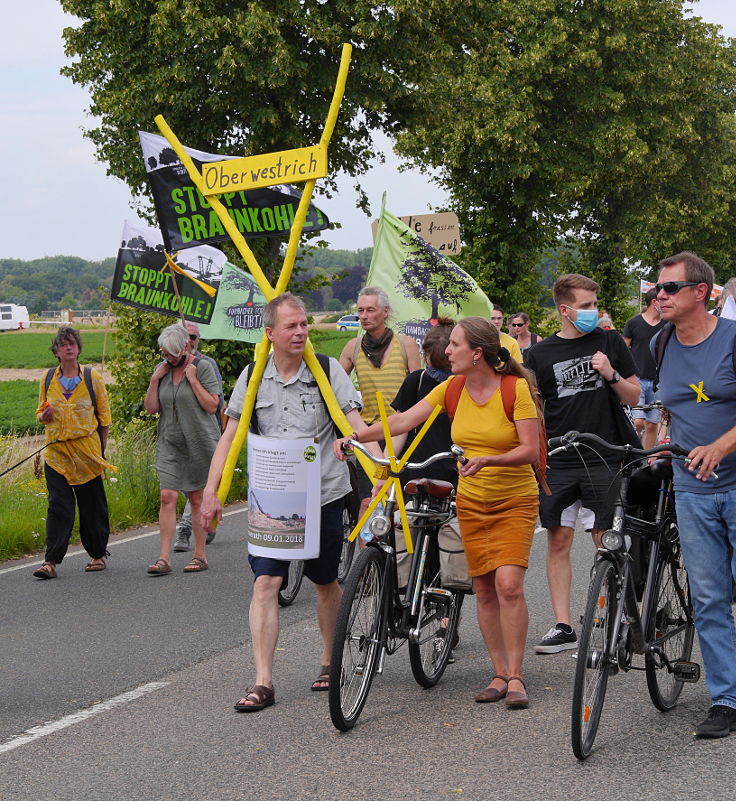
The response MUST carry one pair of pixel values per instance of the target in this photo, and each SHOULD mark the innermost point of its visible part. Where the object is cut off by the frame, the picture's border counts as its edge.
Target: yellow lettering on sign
(268, 169)
(698, 390)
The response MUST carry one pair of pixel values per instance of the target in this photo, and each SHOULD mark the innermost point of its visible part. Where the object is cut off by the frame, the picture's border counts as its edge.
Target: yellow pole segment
(210, 290)
(420, 435)
(261, 355)
(342, 77)
(219, 209)
(371, 508)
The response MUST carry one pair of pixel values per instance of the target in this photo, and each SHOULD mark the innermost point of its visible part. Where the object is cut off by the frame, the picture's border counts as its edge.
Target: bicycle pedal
(686, 671)
(438, 593)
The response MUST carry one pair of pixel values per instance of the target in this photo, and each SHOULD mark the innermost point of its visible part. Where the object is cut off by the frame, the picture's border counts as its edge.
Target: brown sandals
(159, 568)
(260, 696)
(95, 565)
(491, 693)
(197, 565)
(516, 699)
(46, 571)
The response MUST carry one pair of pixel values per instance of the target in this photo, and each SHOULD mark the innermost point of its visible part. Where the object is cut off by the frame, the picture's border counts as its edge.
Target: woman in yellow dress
(497, 495)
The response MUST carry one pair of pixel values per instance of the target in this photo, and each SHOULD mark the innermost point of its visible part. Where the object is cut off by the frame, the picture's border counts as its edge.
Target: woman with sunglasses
(519, 330)
(184, 392)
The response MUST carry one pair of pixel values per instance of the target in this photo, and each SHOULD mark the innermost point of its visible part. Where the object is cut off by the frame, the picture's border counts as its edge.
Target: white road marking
(53, 726)
(82, 552)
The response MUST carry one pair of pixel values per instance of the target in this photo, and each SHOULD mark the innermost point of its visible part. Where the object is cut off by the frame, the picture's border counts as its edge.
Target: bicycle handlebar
(572, 438)
(456, 452)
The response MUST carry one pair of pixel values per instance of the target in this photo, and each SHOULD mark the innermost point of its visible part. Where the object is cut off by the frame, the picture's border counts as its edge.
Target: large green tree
(607, 121)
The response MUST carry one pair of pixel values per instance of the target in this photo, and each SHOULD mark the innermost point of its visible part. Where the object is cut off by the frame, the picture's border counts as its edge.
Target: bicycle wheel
(430, 651)
(349, 519)
(671, 629)
(359, 634)
(593, 668)
(296, 574)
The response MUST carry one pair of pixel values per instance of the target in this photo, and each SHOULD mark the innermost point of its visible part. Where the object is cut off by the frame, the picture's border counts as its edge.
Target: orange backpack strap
(508, 395)
(452, 394)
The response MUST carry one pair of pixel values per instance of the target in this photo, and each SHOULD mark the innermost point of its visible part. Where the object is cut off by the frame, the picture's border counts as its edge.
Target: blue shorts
(646, 396)
(323, 569)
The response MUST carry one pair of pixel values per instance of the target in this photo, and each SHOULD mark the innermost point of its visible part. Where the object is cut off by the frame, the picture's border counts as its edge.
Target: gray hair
(729, 288)
(173, 339)
(190, 324)
(383, 300)
(270, 310)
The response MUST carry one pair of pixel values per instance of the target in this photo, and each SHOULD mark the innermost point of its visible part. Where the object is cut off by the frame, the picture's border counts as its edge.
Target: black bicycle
(377, 616)
(635, 606)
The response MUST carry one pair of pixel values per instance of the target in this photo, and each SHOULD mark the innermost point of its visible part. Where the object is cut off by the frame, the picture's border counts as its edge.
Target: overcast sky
(57, 198)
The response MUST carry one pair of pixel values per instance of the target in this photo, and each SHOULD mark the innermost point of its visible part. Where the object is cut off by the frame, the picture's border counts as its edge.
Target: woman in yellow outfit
(497, 495)
(76, 434)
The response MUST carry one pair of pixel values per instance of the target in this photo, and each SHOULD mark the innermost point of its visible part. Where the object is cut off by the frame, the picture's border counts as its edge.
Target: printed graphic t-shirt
(577, 398)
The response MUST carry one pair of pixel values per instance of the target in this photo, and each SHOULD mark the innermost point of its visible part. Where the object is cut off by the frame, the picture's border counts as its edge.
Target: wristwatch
(615, 378)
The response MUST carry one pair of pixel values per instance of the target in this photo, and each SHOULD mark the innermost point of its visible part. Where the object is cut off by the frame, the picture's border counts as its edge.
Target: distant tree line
(56, 282)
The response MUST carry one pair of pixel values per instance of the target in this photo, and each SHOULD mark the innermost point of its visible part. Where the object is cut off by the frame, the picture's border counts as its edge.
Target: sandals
(198, 565)
(261, 696)
(46, 571)
(159, 568)
(517, 699)
(322, 683)
(95, 565)
(491, 693)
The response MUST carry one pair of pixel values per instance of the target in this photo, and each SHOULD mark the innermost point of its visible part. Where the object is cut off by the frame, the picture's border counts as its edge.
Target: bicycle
(614, 626)
(349, 519)
(377, 616)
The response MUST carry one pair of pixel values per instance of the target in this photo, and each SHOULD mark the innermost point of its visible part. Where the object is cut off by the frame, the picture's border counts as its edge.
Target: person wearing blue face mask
(584, 374)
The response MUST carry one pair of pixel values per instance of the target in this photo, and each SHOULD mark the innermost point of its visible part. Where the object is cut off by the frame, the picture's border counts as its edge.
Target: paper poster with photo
(284, 503)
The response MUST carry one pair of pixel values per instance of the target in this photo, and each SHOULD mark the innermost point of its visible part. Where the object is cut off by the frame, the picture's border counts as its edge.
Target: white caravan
(13, 317)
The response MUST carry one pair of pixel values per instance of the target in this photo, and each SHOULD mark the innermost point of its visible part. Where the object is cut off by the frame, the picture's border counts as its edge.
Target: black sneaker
(560, 638)
(721, 721)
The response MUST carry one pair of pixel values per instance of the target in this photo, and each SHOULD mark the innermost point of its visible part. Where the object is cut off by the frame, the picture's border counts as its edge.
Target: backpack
(324, 362)
(661, 343)
(508, 398)
(87, 374)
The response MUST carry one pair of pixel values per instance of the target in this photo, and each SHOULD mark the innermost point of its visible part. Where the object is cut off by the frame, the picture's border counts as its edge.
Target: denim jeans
(707, 526)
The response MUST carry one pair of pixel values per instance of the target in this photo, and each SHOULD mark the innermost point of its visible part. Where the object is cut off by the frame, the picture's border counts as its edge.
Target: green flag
(422, 284)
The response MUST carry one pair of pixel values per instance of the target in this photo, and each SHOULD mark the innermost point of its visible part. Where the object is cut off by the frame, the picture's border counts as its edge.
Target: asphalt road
(135, 678)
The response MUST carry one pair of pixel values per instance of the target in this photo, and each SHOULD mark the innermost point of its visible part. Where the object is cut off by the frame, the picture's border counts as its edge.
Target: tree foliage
(610, 122)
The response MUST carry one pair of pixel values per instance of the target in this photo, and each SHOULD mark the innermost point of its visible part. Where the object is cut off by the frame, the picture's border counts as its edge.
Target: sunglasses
(673, 287)
(517, 325)
(194, 337)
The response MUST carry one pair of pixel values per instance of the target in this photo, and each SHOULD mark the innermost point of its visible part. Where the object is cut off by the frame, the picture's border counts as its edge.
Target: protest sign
(283, 497)
(422, 284)
(441, 230)
(266, 169)
(223, 300)
(185, 215)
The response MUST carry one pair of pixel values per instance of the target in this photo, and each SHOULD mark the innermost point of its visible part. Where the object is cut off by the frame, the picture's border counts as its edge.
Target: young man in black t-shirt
(584, 373)
(638, 333)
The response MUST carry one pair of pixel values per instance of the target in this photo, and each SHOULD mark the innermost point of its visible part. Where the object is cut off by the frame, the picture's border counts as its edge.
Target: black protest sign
(143, 279)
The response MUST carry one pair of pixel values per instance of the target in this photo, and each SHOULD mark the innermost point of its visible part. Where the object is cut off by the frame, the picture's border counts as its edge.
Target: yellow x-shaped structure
(395, 468)
(698, 390)
(264, 347)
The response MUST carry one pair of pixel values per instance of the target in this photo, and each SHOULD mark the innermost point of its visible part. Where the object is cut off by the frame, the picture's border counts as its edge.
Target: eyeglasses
(517, 325)
(194, 337)
(673, 287)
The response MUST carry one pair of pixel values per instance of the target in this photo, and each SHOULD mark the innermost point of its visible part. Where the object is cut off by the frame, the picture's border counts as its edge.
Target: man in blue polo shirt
(697, 384)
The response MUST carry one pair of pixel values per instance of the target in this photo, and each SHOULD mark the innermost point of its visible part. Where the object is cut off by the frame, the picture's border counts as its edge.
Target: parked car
(348, 322)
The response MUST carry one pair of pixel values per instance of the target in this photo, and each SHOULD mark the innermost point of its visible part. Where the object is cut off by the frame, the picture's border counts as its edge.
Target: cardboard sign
(254, 172)
(441, 231)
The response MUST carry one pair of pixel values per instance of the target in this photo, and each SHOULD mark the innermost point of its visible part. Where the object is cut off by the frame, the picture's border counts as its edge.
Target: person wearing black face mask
(184, 392)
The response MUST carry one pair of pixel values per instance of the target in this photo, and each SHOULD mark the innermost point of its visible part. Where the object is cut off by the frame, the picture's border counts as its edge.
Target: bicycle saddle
(433, 487)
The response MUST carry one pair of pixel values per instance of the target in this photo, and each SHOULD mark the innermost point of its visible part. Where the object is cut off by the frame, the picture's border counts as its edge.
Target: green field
(17, 411)
(330, 343)
(25, 349)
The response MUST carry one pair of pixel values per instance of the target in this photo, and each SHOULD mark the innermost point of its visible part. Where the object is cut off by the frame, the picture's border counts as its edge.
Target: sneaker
(210, 537)
(721, 721)
(560, 638)
(181, 543)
